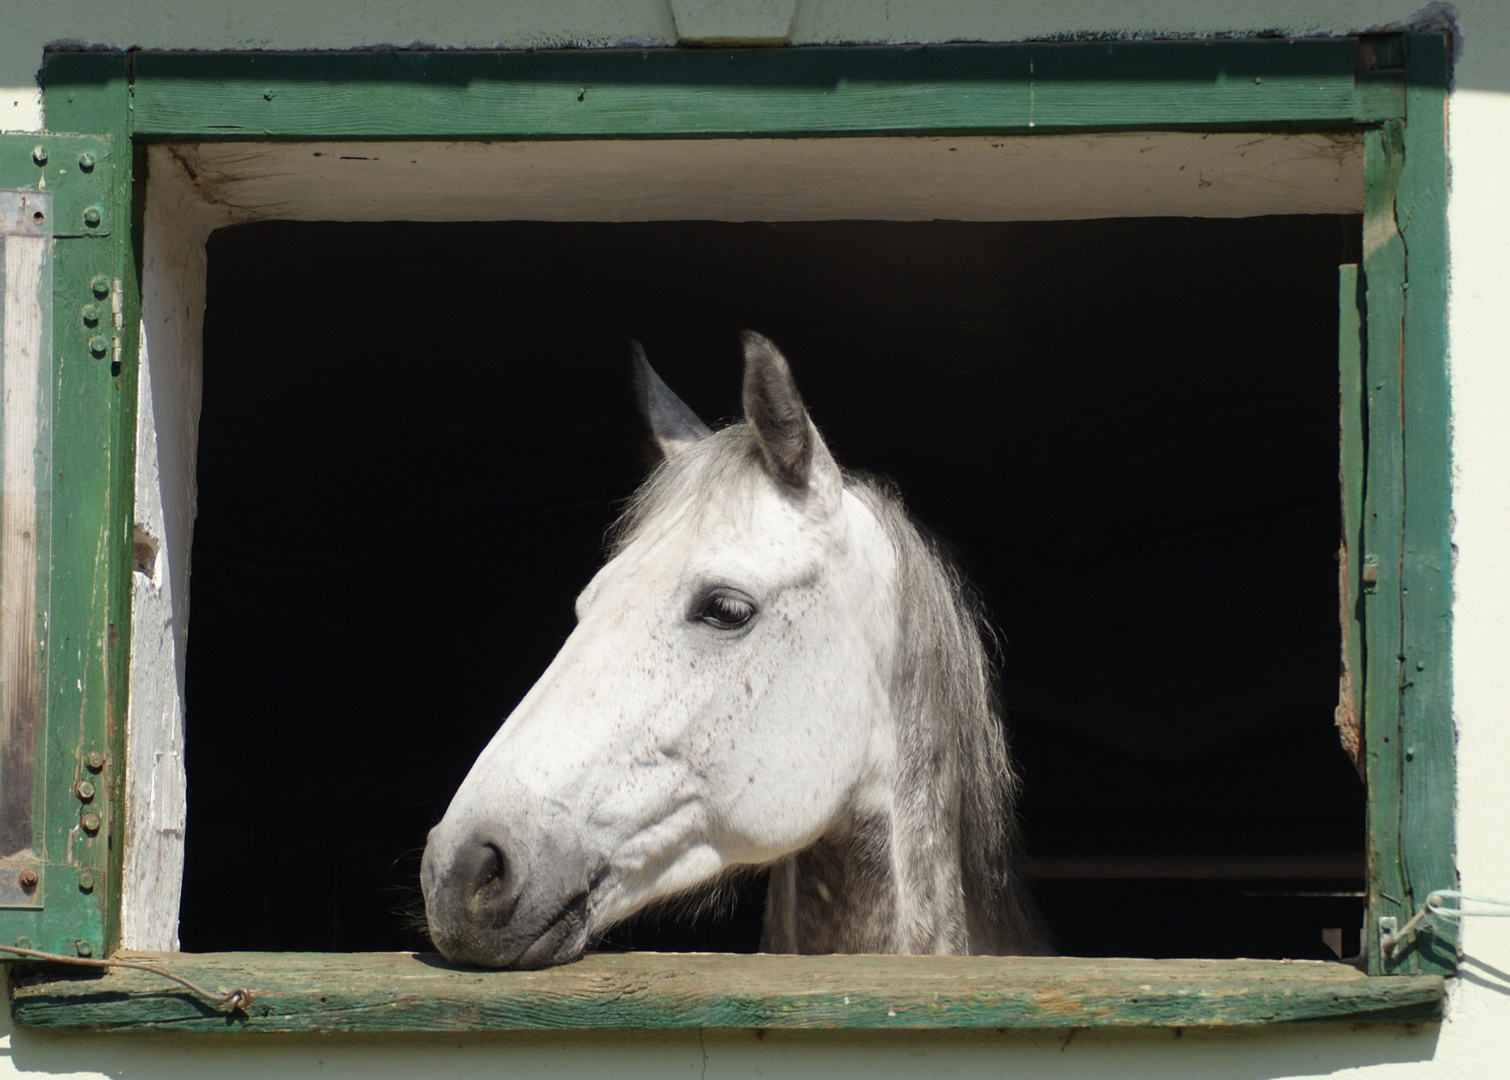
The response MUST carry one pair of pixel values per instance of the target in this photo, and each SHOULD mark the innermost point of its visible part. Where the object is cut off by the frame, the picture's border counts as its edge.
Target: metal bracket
(20, 883)
(77, 170)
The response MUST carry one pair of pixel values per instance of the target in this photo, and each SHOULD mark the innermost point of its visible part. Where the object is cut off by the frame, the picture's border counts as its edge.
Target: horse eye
(725, 610)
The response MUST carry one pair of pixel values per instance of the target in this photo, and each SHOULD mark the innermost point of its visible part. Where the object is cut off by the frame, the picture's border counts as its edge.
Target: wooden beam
(643, 991)
(1309, 83)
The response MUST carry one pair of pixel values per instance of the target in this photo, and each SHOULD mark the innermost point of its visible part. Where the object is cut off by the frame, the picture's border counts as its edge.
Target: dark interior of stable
(414, 435)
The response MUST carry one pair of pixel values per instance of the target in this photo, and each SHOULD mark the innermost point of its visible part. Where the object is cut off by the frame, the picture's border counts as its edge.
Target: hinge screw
(39, 154)
(28, 878)
(91, 313)
(92, 216)
(86, 881)
(100, 286)
(86, 161)
(94, 760)
(91, 822)
(84, 790)
(98, 345)
(83, 948)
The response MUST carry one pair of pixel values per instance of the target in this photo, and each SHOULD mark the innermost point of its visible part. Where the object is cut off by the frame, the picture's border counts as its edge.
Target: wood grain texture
(94, 427)
(1407, 519)
(405, 992)
(25, 372)
(895, 178)
(1427, 742)
(819, 91)
(1383, 513)
(70, 703)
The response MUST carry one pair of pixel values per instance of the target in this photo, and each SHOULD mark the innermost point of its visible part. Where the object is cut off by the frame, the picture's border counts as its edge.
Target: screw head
(98, 346)
(84, 790)
(83, 948)
(91, 314)
(94, 760)
(91, 822)
(28, 878)
(86, 161)
(92, 216)
(39, 154)
(86, 881)
(22, 942)
(100, 286)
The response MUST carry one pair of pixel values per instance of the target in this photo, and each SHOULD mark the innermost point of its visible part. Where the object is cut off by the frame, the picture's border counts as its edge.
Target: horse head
(728, 699)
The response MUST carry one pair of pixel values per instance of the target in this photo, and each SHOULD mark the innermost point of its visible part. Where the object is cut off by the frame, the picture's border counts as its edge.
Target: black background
(414, 435)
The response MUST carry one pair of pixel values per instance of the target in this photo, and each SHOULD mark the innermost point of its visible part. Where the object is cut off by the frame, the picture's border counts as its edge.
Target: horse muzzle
(494, 902)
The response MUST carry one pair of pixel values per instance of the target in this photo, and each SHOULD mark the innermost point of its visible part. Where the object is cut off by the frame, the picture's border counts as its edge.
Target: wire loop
(231, 1001)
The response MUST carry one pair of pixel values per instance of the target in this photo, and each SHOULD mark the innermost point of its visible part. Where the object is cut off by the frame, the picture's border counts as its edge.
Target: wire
(1392, 943)
(1434, 903)
(232, 1000)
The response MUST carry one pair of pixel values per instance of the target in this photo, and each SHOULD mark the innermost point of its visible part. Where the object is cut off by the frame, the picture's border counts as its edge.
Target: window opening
(1127, 429)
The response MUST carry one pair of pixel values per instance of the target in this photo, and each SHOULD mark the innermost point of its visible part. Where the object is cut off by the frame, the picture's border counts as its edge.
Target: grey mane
(948, 687)
(953, 742)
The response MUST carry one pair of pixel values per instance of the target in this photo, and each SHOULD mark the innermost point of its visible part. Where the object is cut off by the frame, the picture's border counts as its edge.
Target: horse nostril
(490, 890)
(492, 869)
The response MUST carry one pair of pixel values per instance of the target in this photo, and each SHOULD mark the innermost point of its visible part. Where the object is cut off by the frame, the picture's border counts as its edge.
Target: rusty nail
(83, 948)
(39, 154)
(84, 790)
(28, 878)
(86, 881)
(91, 822)
(100, 286)
(95, 760)
(92, 216)
(86, 161)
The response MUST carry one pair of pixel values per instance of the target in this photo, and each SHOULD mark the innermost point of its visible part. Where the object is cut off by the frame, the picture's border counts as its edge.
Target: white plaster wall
(1475, 1039)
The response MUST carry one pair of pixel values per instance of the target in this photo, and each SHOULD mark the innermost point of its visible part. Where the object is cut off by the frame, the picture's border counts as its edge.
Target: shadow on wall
(1475, 971)
(1081, 1054)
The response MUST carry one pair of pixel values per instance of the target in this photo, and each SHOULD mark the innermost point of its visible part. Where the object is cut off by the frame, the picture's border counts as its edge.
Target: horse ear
(674, 425)
(794, 452)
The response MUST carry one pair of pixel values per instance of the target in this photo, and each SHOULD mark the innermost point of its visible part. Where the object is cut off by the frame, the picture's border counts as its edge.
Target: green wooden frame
(1391, 88)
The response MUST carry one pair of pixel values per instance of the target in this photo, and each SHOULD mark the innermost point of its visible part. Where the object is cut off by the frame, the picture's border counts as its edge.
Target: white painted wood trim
(177, 224)
(25, 376)
(1026, 178)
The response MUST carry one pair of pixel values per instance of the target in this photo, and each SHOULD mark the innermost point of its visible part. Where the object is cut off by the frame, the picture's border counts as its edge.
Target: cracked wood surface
(628, 991)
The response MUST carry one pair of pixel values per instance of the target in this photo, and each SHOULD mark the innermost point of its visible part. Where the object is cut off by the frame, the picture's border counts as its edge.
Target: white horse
(774, 668)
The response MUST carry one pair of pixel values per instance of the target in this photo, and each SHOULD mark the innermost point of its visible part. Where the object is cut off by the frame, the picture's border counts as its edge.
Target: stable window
(1104, 363)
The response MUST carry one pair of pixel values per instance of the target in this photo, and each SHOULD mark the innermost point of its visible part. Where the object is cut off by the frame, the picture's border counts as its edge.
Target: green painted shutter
(1405, 525)
(66, 363)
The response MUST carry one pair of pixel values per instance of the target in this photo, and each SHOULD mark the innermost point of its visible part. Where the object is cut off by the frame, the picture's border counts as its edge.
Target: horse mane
(947, 685)
(951, 726)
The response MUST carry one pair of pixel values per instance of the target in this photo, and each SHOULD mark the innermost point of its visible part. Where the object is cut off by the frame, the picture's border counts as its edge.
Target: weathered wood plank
(404, 992)
(1349, 715)
(1383, 514)
(94, 464)
(1427, 742)
(822, 91)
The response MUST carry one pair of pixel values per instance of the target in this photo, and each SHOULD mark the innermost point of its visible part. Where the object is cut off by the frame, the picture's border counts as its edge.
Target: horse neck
(875, 886)
(886, 878)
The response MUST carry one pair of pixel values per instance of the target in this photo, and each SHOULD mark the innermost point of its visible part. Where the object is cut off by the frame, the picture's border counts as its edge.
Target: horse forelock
(723, 466)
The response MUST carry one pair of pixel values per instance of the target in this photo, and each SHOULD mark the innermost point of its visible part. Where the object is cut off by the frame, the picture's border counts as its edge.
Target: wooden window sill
(329, 992)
